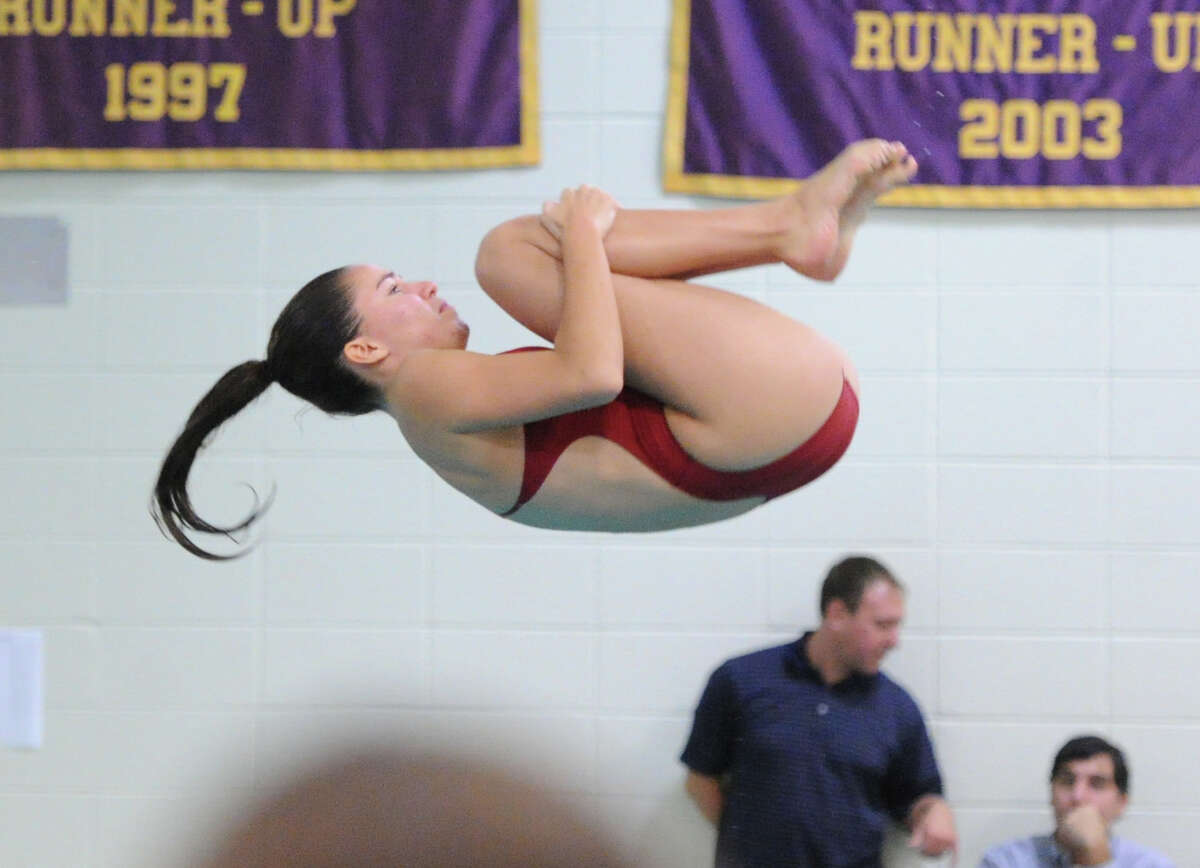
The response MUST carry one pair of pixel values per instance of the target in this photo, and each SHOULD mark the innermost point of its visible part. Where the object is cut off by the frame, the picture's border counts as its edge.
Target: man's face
(1087, 782)
(867, 634)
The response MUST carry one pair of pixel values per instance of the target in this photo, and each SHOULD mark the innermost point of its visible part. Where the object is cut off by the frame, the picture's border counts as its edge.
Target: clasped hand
(582, 202)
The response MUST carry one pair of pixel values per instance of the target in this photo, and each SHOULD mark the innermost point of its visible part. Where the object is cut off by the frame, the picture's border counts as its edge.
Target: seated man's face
(1087, 782)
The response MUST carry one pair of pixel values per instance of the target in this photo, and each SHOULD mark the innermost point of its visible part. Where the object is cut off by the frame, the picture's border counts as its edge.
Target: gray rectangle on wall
(33, 261)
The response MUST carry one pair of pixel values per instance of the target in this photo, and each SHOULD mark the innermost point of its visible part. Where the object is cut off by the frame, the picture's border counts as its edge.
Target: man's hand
(932, 827)
(1084, 834)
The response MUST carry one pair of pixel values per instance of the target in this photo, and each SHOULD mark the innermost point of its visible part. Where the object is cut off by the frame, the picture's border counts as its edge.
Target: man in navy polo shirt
(800, 753)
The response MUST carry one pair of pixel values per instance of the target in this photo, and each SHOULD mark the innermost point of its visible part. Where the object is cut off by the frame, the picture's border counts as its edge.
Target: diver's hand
(580, 203)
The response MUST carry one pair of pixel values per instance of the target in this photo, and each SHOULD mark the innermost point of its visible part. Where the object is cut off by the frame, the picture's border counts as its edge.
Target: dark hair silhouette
(1087, 746)
(304, 355)
(848, 579)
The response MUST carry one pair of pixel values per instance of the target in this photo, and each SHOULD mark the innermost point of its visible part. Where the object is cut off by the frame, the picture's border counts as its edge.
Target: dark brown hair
(848, 579)
(304, 355)
(1087, 746)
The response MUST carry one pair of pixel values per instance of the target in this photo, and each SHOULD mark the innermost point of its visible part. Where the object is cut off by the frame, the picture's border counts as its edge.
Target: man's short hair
(848, 579)
(1087, 746)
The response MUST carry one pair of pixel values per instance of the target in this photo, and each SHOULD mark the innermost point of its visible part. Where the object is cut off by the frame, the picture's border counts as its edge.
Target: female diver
(661, 404)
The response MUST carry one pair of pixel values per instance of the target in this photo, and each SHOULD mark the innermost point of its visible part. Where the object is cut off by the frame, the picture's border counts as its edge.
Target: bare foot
(826, 211)
(899, 171)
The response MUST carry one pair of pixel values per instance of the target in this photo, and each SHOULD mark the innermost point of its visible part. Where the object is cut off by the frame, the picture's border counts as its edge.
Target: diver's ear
(364, 351)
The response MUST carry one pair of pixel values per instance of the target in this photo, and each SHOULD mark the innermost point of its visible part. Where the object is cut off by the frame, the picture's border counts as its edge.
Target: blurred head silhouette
(381, 808)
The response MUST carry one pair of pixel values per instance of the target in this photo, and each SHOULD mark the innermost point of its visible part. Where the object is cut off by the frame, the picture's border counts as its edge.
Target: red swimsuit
(637, 423)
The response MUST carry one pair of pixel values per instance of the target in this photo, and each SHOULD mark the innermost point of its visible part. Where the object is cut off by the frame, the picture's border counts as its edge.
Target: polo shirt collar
(1049, 853)
(1052, 853)
(800, 666)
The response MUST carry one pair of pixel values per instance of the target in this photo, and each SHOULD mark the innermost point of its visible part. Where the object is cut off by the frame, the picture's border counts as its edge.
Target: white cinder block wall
(1027, 461)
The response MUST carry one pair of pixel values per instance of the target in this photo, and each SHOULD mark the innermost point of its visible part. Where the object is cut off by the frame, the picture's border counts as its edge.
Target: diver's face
(403, 315)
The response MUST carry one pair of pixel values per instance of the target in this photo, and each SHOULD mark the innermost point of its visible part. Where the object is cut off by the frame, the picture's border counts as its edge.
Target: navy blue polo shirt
(814, 770)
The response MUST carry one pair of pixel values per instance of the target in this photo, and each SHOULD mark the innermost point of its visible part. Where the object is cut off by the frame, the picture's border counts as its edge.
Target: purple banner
(1027, 103)
(297, 84)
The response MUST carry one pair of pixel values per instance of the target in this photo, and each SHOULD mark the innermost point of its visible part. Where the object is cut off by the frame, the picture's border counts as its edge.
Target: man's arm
(1084, 834)
(706, 793)
(932, 825)
(709, 746)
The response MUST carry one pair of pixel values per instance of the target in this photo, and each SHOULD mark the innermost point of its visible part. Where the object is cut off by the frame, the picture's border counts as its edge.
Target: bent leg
(812, 229)
(743, 383)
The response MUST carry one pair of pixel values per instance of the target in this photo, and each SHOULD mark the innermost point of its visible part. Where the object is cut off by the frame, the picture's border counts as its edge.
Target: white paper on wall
(21, 717)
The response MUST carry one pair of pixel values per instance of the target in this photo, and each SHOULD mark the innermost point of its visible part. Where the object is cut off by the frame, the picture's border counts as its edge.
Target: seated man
(1089, 789)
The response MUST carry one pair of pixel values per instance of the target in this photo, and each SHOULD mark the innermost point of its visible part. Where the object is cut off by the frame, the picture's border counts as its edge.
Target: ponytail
(304, 356)
(170, 505)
